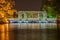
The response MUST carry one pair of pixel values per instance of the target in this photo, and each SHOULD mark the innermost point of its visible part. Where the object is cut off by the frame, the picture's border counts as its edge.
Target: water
(28, 31)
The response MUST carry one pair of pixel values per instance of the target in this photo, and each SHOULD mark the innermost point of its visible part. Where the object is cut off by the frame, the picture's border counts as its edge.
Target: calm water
(28, 31)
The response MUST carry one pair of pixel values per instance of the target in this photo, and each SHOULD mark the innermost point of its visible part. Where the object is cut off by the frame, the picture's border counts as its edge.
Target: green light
(51, 16)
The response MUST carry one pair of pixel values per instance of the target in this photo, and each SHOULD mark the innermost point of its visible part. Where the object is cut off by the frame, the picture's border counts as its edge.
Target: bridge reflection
(9, 27)
(34, 31)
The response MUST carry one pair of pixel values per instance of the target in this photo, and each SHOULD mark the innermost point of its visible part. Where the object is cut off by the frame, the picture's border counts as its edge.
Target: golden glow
(2, 28)
(10, 12)
(2, 36)
(2, 1)
(6, 8)
(7, 28)
(5, 36)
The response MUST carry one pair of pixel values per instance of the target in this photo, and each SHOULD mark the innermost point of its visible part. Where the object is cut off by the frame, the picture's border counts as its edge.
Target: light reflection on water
(4, 36)
(36, 31)
(33, 25)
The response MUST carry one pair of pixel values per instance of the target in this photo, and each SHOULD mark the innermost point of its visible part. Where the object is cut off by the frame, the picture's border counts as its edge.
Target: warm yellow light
(2, 28)
(2, 1)
(7, 28)
(2, 36)
(6, 9)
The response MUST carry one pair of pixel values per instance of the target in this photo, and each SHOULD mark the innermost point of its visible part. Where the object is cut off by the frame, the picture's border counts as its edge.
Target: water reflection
(4, 36)
(33, 25)
(28, 31)
(4, 28)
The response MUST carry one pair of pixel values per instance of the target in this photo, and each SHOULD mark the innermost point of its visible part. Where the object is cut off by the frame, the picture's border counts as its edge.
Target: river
(28, 31)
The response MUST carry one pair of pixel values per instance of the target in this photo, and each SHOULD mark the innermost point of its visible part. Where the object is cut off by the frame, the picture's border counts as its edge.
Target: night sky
(28, 4)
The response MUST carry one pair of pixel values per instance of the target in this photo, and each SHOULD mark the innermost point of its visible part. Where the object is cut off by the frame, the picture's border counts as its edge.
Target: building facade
(32, 15)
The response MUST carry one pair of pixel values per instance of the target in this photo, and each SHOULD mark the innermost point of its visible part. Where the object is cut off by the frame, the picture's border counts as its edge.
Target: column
(38, 16)
(25, 16)
(44, 15)
(19, 16)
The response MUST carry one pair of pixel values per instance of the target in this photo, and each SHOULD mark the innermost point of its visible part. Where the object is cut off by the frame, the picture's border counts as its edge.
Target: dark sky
(28, 4)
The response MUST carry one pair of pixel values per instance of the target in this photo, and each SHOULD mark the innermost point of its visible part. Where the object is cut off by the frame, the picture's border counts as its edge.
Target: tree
(6, 8)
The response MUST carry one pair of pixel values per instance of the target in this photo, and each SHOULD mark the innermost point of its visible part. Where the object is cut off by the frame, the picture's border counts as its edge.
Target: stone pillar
(25, 16)
(19, 16)
(38, 16)
(44, 13)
